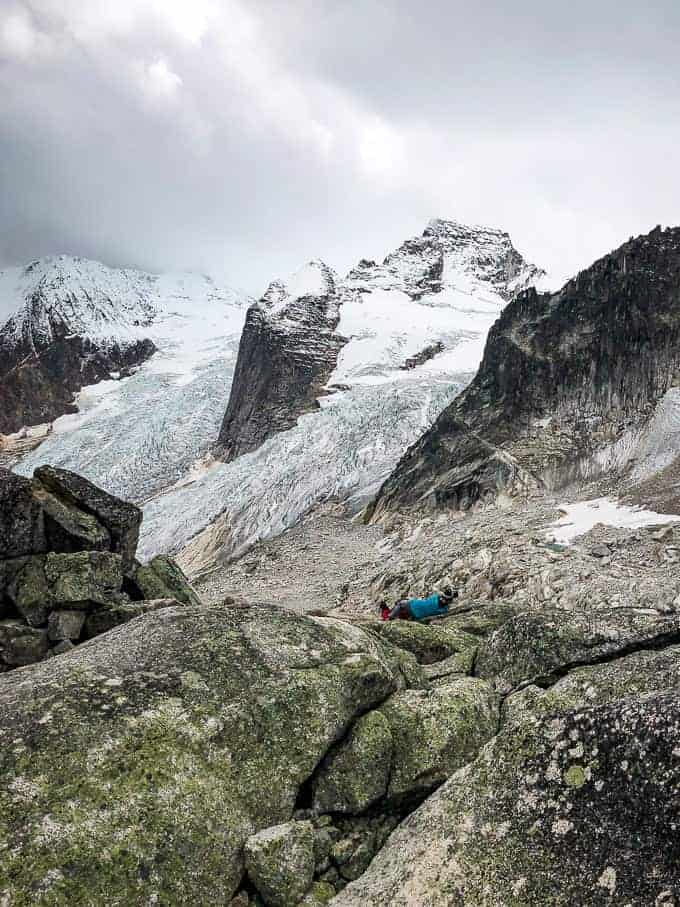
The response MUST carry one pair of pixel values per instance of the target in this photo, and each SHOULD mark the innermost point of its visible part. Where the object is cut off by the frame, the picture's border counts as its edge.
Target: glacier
(149, 437)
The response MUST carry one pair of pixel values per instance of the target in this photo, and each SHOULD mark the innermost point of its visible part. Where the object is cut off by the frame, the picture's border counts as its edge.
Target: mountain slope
(74, 323)
(567, 388)
(139, 435)
(415, 328)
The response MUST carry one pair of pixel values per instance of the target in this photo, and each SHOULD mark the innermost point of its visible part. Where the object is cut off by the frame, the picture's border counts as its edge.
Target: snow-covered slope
(141, 434)
(438, 293)
(88, 298)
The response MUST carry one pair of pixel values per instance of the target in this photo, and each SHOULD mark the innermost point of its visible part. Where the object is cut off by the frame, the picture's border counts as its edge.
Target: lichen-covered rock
(318, 895)
(63, 625)
(642, 672)
(355, 775)
(428, 642)
(544, 645)
(40, 584)
(22, 526)
(163, 578)
(435, 732)
(134, 769)
(484, 619)
(573, 809)
(27, 588)
(84, 579)
(67, 527)
(460, 663)
(280, 862)
(353, 854)
(21, 644)
(115, 613)
(120, 518)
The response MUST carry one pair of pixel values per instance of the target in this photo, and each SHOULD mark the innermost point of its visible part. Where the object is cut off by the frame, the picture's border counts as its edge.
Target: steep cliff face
(76, 323)
(567, 388)
(41, 386)
(288, 350)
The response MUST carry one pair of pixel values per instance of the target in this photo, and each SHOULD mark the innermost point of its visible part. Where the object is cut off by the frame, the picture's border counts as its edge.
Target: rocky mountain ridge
(557, 398)
(77, 323)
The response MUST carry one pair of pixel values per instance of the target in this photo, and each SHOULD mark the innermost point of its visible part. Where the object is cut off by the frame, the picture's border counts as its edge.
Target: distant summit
(316, 330)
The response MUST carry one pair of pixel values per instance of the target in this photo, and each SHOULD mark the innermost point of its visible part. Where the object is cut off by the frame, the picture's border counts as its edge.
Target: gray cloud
(244, 136)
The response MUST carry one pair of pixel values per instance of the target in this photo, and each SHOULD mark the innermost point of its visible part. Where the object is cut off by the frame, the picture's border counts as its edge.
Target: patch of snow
(314, 279)
(581, 517)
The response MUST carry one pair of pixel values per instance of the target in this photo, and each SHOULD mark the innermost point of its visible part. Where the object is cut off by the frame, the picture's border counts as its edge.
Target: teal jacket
(427, 607)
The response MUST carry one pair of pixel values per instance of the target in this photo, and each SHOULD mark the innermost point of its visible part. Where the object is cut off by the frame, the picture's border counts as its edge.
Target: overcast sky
(243, 137)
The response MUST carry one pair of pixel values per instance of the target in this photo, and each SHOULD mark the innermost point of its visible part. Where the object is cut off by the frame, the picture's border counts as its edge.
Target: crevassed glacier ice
(346, 448)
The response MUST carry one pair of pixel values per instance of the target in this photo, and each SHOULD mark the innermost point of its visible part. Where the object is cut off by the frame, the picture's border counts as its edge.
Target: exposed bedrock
(39, 377)
(571, 801)
(214, 749)
(567, 383)
(288, 350)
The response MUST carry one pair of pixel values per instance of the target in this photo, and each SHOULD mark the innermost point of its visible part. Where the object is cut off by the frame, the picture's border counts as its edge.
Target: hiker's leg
(401, 611)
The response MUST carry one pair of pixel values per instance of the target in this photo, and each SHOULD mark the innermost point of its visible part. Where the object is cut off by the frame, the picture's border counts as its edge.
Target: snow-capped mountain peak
(70, 295)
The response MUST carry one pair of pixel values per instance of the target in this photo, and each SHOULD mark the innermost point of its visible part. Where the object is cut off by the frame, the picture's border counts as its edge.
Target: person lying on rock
(436, 605)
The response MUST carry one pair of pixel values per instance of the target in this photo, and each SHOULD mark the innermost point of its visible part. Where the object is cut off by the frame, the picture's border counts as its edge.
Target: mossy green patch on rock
(134, 770)
(429, 643)
(540, 646)
(437, 731)
(163, 578)
(355, 774)
(280, 862)
(483, 619)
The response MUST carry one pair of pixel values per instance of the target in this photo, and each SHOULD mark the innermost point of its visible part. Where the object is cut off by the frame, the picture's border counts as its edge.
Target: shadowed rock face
(67, 566)
(568, 381)
(287, 352)
(40, 372)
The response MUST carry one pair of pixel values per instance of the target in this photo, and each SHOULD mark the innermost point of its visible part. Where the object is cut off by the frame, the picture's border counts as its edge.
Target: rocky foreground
(522, 751)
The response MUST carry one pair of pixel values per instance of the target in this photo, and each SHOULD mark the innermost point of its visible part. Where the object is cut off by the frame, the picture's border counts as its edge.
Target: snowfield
(139, 435)
(581, 517)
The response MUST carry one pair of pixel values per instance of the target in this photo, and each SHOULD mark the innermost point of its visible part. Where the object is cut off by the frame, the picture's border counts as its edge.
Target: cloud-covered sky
(243, 137)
